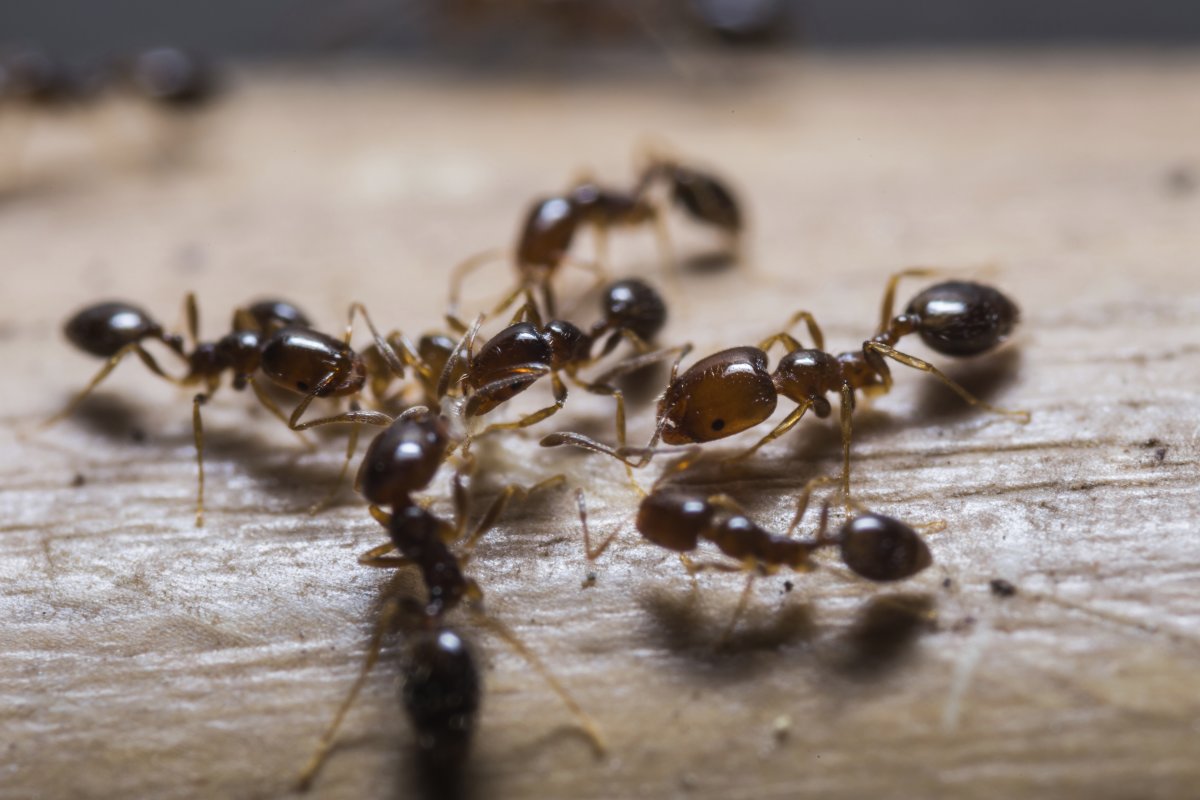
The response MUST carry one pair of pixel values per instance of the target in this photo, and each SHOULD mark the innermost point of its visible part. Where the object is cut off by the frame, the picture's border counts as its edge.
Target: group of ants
(274, 349)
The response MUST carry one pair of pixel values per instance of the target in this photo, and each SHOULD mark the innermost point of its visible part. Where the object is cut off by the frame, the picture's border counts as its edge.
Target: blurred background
(508, 31)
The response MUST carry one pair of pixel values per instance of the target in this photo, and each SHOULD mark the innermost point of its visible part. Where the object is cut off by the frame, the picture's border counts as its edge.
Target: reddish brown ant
(732, 390)
(271, 337)
(401, 460)
(702, 195)
(876, 547)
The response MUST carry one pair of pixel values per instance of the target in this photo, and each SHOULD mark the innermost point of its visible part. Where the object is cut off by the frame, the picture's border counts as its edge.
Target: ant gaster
(401, 460)
(732, 390)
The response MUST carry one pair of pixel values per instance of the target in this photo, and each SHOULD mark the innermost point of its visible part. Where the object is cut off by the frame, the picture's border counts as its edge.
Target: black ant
(732, 390)
(401, 460)
(171, 77)
(874, 546)
(270, 336)
(526, 350)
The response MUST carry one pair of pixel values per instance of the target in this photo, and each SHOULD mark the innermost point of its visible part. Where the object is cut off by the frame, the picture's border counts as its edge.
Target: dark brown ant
(732, 390)
(526, 350)
(269, 336)
(401, 460)
(876, 547)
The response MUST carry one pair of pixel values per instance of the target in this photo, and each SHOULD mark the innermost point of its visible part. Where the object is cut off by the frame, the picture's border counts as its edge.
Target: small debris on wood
(1002, 588)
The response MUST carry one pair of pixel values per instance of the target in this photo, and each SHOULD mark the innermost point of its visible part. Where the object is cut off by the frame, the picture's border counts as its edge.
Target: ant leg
(109, 366)
(407, 350)
(198, 438)
(738, 610)
(585, 721)
(467, 344)
(814, 331)
(488, 521)
(889, 293)
(386, 616)
(925, 366)
(353, 415)
(465, 268)
(378, 557)
(270, 405)
(192, 314)
(592, 554)
(783, 427)
(351, 446)
(802, 501)
(522, 290)
(618, 396)
(560, 399)
(847, 413)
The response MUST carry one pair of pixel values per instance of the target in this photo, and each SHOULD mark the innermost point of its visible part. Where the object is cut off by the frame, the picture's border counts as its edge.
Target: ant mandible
(270, 336)
(732, 390)
(401, 460)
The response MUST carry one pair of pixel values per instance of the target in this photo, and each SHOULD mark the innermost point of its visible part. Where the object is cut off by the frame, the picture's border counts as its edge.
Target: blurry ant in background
(34, 85)
(545, 237)
(876, 547)
(442, 684)
(271, 336)
(732, 390)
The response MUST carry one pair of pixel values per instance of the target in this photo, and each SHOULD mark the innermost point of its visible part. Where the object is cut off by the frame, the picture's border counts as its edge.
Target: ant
(732, 390)
(874, 546)
(401, 460)
(526, 350)
(548, 230)
(270, 336)
(170, 77)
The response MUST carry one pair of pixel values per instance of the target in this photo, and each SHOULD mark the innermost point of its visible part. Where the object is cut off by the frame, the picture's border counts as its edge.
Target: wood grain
(143, 657)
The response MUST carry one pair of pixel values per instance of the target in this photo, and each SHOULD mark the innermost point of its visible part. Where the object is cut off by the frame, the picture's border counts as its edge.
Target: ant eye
(718, 424)
(302, 386)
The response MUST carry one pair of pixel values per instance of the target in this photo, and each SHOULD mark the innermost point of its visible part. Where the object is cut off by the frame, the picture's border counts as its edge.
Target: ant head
(674, 518)
(718, 396)
(961, 318)
(568, 344)
(881, 548)
(634, 305)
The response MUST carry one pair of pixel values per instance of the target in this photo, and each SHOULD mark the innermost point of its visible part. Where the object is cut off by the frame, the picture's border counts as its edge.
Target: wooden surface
(143, 657)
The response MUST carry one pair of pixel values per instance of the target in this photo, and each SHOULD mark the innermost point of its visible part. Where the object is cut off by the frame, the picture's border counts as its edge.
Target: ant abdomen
(301, 359)
(962, 318)
(105, 328)
(547, 233)
(718, 396)
(706, 198)
(403, 458)
(880, 548)
(441, 693)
